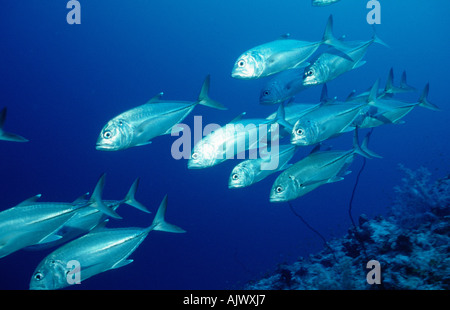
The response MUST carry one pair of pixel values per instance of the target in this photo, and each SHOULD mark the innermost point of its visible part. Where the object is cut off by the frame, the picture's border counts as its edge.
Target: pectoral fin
(122, 263)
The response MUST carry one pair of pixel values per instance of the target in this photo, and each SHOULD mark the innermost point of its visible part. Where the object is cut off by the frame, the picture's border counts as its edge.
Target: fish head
(203, 156)
(50, 274)
(241, 176)
(248, 66)
(305, 132)
(271, 93)
(116, 135)
(312, 75)
(285, 188)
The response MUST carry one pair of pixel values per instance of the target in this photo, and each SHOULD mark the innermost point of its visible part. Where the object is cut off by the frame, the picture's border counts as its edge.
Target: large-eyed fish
(279, 55)
(251, 171)
(98, 251)
(32, 222)
(318, 168)
(333, 63)
(157, 117)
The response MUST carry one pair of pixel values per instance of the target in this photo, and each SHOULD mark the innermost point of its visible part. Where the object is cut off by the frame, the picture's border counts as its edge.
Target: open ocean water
(61, 83)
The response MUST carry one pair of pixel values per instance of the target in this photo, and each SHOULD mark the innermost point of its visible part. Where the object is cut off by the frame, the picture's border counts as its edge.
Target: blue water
(62, 83)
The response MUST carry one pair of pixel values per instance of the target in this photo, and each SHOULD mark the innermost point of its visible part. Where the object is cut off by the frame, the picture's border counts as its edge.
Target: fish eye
(266, 93)
(107, 134)
(38, 276)
(235, 176)
(241, 63)
(310, 72)
(299, 131)
(279, 189)
(194, 156)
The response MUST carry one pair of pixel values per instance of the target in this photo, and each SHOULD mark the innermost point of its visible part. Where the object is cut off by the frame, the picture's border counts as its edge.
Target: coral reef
(411, 243)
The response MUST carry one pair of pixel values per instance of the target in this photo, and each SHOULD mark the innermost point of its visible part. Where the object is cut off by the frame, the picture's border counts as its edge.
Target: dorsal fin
(156, 98)
(284, 36)
(351, 95)
(238, 118)
(82, 198)
(29, 201)
(373, 92)
(324, 99)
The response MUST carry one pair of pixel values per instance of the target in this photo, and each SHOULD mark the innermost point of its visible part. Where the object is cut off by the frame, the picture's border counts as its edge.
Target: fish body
(323, 2)
(138, 126)
(391, 111)
(234, 138)
(333, 63)
(96, 252)
(86, 219)
(282, 87)
(389, 90)
(226, 142)
(251, 171)
(7, 136)
(318, 168)
(32, 222)
(324, 122)
(279, 55)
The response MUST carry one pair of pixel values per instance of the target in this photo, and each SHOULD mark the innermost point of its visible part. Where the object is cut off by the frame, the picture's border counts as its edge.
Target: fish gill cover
(67, 73)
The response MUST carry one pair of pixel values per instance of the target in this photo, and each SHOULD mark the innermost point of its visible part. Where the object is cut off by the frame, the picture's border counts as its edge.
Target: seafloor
(411, 244)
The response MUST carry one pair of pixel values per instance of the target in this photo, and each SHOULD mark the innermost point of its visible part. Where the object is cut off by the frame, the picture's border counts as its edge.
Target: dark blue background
(62, 83)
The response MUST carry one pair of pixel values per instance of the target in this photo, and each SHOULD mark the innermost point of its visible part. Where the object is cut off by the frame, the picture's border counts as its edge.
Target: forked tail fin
(159, 222)
(203, 97)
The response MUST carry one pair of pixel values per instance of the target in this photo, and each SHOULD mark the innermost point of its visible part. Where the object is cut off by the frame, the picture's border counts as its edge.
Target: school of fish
(78, 229)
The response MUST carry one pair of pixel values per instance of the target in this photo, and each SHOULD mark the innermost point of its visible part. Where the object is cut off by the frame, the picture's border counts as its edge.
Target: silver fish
(96, 252)
(318, 168)
(157, 117)
(237, 136)
(251, 171)
(293, 111)
(282, 87)
(391, 111)
(327, 121)
(388, 91)
(86, 219)
(7, 136)
(333, 63)
(323, 2)
(279, 55)
(32, 222)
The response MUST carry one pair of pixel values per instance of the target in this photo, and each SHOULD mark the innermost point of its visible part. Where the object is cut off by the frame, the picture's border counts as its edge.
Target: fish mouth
(298, 141)
(277, 199)
(240, 75)
(193, 165)
(310, 82)
(235, 185)
(105, 147)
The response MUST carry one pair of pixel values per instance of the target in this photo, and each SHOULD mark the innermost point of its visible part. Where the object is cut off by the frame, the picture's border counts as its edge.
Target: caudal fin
(423, 100)
(203, 97)
(280, 118)
(376, 39)
(7, 136)
(130, 199)
(329, 39)
(404, 84)
(363, 150)
(159, 222)
(96, 199)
